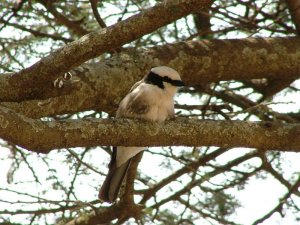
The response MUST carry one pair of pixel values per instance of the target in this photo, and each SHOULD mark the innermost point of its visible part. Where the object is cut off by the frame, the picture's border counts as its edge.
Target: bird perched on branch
(150, 99)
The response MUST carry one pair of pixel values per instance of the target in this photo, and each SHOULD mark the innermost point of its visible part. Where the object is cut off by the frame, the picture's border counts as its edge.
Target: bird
(150, 99)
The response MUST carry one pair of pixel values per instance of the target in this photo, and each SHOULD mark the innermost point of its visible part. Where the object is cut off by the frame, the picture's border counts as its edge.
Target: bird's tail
(112, 183)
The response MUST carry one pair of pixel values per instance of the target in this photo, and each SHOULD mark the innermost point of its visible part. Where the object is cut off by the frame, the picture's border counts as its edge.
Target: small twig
(96, 13)
(15, 10)
(82, 162)
(279, 206)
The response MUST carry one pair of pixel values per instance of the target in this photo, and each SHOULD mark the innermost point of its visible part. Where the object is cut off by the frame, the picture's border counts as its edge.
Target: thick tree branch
(276, 85)
(45, 71)
(41, 136)
(199, 63)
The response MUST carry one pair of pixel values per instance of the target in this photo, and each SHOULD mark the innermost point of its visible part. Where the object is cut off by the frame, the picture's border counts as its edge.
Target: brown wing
(133, 106)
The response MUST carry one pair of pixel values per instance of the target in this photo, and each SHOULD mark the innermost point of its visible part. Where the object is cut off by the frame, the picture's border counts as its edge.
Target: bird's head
(165, 78)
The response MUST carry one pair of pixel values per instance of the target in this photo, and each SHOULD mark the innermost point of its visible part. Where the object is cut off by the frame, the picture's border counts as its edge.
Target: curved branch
(199, 63)
(96, 13)
(27, 83)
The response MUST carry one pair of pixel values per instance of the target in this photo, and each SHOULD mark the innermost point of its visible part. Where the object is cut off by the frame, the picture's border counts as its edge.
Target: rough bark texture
(27, 83)
(218, 59)
(44, 136)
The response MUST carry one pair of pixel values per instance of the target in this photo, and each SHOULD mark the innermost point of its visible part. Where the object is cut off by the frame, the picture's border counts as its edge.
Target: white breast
(160, 102)
(161, 106)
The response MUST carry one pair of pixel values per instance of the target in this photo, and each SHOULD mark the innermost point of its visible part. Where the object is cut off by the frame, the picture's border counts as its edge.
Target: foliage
(174, 185)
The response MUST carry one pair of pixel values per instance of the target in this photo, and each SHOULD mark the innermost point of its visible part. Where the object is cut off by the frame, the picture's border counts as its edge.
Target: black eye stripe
(178, 83)
(173, 82)
(153, 78)
(167, 79)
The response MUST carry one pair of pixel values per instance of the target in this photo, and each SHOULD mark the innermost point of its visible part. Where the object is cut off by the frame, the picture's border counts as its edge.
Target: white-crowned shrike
(150, 99)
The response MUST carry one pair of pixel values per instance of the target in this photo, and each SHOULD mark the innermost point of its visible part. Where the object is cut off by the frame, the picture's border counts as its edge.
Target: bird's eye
(167, 79)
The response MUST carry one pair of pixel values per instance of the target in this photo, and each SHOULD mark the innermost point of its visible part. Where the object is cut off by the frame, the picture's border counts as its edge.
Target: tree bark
(42, 137)
(103, 84)
(27, 83)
